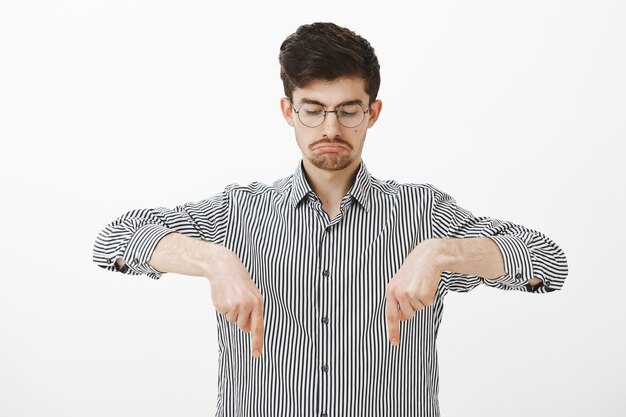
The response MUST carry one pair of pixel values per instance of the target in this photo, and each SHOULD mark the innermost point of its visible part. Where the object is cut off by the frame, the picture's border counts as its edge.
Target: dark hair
(325, 51)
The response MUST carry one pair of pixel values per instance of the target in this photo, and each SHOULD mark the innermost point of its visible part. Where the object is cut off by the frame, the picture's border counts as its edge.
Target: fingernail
(256, 353)
(395, 342)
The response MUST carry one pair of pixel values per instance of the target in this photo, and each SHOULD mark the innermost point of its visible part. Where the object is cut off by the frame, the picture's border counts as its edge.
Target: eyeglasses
(348, 115)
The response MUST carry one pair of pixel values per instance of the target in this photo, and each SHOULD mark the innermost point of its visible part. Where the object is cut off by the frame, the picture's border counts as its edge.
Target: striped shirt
(323, 280)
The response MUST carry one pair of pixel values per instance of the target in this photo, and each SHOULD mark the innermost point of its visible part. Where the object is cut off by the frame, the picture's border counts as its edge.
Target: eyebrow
(344, 103)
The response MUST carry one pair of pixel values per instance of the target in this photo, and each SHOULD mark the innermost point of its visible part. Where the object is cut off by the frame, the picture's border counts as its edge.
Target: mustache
(326, 140)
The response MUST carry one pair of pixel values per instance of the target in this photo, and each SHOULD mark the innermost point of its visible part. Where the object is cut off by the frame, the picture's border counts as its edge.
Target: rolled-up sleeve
(526, 253)
(134, 235)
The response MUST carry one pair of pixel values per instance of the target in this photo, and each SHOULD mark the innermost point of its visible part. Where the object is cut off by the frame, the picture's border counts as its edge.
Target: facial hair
(331, 161)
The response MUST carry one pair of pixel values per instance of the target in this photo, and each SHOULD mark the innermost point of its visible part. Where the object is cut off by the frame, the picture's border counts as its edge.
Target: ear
(287, 110)
(375, 108)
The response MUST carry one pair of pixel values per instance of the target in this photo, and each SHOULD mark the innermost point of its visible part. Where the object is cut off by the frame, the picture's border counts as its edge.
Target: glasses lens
(350, 115)
(311, 115)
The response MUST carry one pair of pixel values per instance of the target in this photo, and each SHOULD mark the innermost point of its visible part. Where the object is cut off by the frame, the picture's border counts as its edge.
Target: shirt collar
(360, 190)
(299, 186)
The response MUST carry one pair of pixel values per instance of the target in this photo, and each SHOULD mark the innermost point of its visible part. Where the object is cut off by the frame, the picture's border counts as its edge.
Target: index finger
(393, 320)
(258, 330)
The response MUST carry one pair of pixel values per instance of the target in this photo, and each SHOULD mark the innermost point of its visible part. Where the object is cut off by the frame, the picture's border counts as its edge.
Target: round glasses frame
(337, 112)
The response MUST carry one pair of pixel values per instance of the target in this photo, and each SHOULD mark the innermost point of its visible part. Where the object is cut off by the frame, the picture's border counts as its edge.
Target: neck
(330, 186)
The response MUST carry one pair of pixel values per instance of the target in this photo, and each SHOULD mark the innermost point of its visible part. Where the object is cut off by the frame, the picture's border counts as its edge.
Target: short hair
(325, 51)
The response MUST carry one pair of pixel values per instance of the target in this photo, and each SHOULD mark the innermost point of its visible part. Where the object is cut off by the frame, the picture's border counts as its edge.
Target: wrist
(441, 253)
(208, 258)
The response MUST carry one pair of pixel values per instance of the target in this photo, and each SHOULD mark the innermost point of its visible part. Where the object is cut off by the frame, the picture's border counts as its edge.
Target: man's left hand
(413, 287)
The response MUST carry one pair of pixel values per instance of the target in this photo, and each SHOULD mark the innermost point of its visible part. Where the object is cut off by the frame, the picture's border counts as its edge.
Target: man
(329, 283)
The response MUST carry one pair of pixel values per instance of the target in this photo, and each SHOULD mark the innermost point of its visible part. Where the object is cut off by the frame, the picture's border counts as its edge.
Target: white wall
(516, 108)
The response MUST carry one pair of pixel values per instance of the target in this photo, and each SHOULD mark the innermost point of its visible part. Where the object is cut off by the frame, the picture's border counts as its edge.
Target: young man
(329, 283)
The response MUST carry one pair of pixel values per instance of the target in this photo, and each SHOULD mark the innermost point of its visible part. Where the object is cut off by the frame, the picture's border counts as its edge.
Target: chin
(331, 163)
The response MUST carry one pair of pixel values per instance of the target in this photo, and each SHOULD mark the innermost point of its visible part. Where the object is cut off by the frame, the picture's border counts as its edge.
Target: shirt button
(325, 320)
(326, 273)
(518, 275)
(324, 368)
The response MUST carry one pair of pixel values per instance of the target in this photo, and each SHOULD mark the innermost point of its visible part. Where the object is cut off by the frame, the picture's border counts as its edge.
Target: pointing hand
(411, 289)
(236, 297)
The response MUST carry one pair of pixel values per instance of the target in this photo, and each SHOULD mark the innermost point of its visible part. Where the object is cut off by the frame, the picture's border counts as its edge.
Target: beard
(331, 161)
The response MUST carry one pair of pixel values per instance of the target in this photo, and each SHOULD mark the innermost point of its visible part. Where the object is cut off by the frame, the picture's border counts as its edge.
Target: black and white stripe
(325, 350)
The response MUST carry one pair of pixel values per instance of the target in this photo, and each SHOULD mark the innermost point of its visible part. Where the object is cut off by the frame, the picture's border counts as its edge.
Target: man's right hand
(235, 295)
(232, 290)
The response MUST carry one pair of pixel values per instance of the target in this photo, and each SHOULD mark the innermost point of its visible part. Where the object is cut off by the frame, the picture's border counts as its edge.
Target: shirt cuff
(140, 248)
(517, 263)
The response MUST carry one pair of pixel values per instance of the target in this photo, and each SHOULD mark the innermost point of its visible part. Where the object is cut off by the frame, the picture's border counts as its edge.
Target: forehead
(333, 92)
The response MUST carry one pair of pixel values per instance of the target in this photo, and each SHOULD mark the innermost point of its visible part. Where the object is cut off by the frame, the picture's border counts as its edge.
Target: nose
(331, 126)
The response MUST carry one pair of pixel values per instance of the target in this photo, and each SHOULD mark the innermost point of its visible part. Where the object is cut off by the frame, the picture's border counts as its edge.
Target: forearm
(184, 255)
(478, 256)
(471, 256)
(181, 254)
(127, 243)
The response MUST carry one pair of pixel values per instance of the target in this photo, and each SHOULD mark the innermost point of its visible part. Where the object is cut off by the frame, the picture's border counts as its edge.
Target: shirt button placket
(325, 337)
